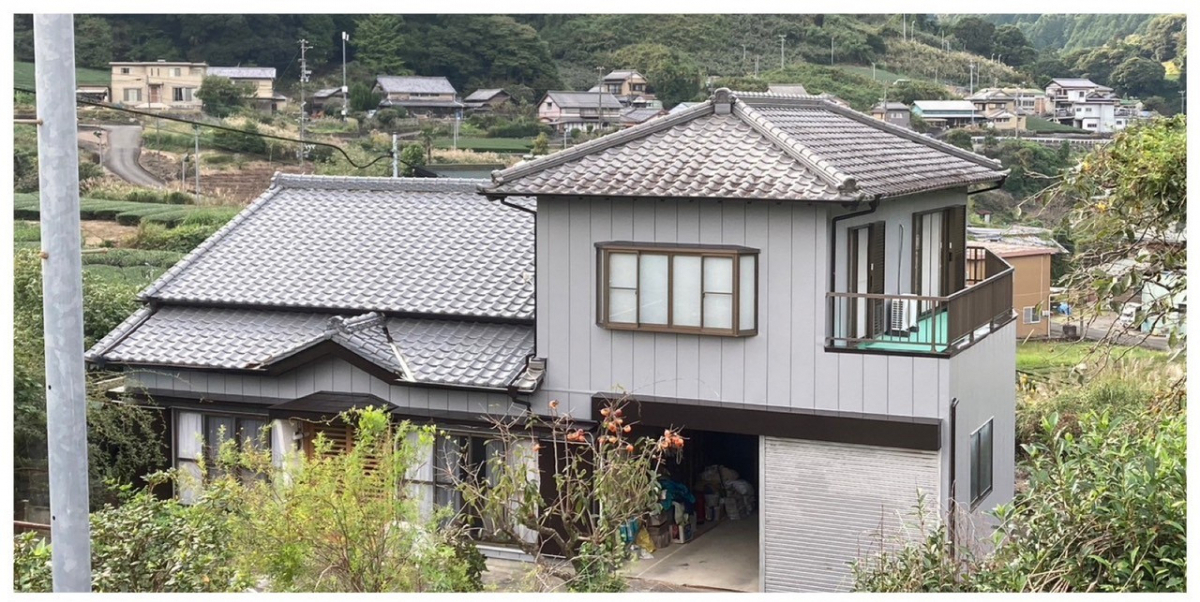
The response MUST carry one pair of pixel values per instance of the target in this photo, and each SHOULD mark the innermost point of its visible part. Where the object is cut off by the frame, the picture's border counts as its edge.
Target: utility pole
(831, 49)
(743, 55)
(457, 119)
(345, 90)
(62, 287)
(599, 97)
(395, 155)
(756, 66)
(873, 72)
(782, 37)
(304, 73)
(196, 134)
(904, 28)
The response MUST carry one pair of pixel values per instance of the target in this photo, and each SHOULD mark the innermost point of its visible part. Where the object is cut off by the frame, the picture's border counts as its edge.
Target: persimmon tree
(603, 479)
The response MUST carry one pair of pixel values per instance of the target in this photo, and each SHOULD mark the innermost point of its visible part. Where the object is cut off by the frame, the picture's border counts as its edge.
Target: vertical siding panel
(758, 362)
(269, 387)
(252, 386)
(439, 399)
(733, 351)
(775, 316)
(709, 367)
(687, 347)
(875, 384)
(378, 388)
(622, 342)
(666, 229)
(542, 278)
(850, 385)
(233, 384)
(286, 383)
(643, 344)
(360, 381)
(823, 367)
(900, 385)
(558, 311)
(581, 256)
(343, 376)
(418, 398)
(600, 377)
(925, 387)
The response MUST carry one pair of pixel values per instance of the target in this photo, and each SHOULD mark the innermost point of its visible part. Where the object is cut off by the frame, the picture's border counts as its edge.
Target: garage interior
(711, 540)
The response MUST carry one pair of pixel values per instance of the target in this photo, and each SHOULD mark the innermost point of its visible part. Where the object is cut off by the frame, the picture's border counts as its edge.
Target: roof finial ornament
(723, 101)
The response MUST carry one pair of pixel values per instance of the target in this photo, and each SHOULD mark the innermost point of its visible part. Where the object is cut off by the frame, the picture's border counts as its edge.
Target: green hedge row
(128, 258)
(131, 213)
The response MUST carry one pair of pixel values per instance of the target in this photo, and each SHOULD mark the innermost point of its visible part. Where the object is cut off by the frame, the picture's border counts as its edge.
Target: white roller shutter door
(824, 505)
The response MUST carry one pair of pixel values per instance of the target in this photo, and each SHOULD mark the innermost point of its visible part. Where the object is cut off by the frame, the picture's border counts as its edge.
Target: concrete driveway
(723, 558)
(122, 147)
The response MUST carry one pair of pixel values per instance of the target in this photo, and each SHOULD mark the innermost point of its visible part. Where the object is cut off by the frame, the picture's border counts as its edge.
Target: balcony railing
(933, 325)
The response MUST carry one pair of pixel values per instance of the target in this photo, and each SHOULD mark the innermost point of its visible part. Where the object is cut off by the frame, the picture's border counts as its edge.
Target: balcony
(925, 325)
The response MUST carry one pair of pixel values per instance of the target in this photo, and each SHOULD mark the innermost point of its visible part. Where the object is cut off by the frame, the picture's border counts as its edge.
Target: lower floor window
(1031, 315)
(981, 463)
(199, 436)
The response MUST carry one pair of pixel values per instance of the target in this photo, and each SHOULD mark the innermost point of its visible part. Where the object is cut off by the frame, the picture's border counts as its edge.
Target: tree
(222, 97)
(1033, 167)
(911, 90)
(1138, 76)
(603, 481)
(975, 34)
(1163, 36)
(1159, 105)
(93, 42)
(411, 157)
(672, 75)
(363, 97)
(1012, 46)
(541, 144)
(961, 138)
(379, 42)
(1130, 200)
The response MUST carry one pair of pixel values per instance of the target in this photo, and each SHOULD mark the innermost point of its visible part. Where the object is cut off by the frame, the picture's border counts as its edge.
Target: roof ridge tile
(761, 123)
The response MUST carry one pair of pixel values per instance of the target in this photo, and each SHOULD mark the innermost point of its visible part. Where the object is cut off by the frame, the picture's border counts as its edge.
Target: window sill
(734, 334)
(979, 500)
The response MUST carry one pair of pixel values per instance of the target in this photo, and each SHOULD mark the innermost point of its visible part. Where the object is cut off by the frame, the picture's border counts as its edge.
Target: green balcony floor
(929, 328)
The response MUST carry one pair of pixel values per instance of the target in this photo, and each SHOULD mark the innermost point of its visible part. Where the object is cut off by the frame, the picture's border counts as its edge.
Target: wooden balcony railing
(933, 325)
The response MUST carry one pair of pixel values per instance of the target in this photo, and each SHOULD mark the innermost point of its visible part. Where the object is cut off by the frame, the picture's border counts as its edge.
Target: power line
(417, 169)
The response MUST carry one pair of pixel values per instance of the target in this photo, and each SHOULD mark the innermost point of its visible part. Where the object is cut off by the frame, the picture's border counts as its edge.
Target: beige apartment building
(172, 85)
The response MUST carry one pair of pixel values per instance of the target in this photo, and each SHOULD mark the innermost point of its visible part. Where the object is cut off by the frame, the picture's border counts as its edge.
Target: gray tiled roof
(426, 246)
(415, 84)
(790, 89)
(640, 115)
(1077, 82)
(445, 352)
(243, 72)
(482, 95)
(755, 146)
(576, 100)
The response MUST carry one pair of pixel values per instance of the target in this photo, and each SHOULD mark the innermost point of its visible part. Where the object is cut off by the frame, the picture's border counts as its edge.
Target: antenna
(304, 73)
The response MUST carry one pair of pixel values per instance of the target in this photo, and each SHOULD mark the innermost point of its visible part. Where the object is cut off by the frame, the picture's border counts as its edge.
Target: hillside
(1072, 32)
(23, 76)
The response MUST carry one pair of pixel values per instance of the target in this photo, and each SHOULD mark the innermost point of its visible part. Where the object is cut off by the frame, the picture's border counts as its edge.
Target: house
(1084, 104)
(93, 93)
(628, 86)
(744, 268)
(1029, 251)
(895, 113)
(1004, 120)
(993, 99)
(682, 106)
(635, 116)
(486, 99)
(426, 96)
(158, 85)
(748, 274)
(261, 80)
(565, 110)
(325, 100)
(947, 113)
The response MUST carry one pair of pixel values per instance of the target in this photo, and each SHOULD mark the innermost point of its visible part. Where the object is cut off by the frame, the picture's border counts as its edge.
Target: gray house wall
(785, 365)
(329, 374)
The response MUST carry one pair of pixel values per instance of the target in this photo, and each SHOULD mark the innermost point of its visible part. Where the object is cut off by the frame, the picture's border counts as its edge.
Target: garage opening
(707, 532)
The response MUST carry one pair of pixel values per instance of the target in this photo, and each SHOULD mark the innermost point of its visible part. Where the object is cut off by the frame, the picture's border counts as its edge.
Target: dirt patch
(246, 183)
(95, 232)
(163, 165)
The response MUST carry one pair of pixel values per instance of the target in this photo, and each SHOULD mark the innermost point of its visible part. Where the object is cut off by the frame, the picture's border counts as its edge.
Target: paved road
(1099, 329)
(123, 146)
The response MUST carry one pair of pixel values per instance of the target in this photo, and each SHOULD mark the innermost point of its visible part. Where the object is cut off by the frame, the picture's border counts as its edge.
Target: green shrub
(218, 159)
(239, 142)
(176, 197)
(133, 217)
(124, 258)
(211, 216)
(181, 239)
(27, 232)
(143, 195)
(521, 127)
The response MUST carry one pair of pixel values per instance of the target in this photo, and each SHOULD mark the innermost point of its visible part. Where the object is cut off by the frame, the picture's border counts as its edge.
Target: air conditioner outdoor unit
(903, 317)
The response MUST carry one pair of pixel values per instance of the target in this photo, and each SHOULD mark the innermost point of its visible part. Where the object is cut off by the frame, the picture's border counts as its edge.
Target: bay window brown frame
(604, 251)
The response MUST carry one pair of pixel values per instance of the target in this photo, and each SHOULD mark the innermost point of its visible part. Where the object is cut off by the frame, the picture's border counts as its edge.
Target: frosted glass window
(747, 301)
(622, 286)
(652, 288)
(686, 302)
(718, 310)
(718, 275)
(622, 270)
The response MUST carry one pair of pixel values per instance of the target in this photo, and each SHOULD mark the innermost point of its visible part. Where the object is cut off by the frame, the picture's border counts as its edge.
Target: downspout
(953, 505)
(512, 389)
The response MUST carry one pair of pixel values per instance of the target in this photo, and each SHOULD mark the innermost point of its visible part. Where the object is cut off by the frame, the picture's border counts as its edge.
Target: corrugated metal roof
(577, 100)
(936, 106)
(757, 146)
(243, 72)
(426, 246)
(789, 89)
(394, 84)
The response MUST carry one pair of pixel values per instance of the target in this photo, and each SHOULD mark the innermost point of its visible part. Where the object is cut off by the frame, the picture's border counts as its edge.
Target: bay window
(678, 288)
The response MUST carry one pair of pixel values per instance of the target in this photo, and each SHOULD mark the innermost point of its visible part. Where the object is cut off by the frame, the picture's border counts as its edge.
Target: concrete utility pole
(304, 73)
(743, 55)
(196, 134)
(395, 156)
(873, 72)
(62, 287)
(782, 37)
(831, 49)
(345, 90)
(903, 28)
(599, 97)
(756, 66)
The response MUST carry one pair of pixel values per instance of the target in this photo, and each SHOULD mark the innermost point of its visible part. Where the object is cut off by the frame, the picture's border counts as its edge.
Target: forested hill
(1139, 55)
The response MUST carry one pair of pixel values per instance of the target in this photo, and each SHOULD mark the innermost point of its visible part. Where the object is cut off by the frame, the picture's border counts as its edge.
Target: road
(122, 147)
(1100, 328)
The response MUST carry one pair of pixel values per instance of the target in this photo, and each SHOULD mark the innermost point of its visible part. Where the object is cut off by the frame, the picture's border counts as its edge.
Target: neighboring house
(895, 113)
(1029, 251)
(988, 100)
(787, 89)
(633, 116)
(259, 79)
(947, 113)
(93, 93)
(628, 86)
(745, 268)
(486, 100)
(565, 110)
(429, 96)
(324, 100)
(1084, 104)
(158, 85)
(681, 107)
(1004, 120)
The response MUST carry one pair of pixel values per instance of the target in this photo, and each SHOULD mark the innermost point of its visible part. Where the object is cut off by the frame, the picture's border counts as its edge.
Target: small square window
(981, 463)
(1031, 315)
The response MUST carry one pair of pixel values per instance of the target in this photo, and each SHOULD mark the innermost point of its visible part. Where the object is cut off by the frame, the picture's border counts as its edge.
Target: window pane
(216, 430)
(252, 433)
(686, 282)
(747, 299)
(974, 466)
(718, 275)
(622, 305)
(622, 270)
(718, 310)
(985, 472)
(188, 435)
(652, 288)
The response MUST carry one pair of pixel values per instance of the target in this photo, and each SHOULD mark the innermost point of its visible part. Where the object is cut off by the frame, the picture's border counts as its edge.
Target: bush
(181, 239)
(210, 216)
(176, 197)
(387, 117)
(239, 142)
(518, 128)
(411, 157)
